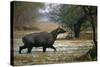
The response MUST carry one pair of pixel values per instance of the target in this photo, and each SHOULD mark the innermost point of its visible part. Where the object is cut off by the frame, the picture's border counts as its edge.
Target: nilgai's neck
(54, 34)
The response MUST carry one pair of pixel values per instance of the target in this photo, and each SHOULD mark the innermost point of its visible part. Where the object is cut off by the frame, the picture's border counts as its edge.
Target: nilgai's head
(60, 30)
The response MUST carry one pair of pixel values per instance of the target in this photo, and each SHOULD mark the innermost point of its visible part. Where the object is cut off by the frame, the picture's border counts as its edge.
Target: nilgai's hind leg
(29, 49)
(53, 48)
(20, 48)
(44, 49)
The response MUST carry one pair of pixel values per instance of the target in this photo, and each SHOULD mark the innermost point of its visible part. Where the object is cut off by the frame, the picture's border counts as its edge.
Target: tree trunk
(77, 27)
(92, 53)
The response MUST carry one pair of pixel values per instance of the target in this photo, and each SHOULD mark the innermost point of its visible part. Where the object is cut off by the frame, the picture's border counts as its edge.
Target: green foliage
(67, 14)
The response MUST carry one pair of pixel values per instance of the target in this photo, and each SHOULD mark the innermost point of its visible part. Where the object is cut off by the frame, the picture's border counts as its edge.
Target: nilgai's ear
(58, 27)
(62, 28)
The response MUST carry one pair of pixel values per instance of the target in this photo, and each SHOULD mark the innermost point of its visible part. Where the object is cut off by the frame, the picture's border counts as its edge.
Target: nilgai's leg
(29, 49)
(44, 49)
(53, 48)
(20, 48)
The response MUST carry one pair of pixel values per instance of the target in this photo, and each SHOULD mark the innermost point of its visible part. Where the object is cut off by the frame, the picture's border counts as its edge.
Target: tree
(73, 17)
(25, 13)
(91, 11)
(70, 16)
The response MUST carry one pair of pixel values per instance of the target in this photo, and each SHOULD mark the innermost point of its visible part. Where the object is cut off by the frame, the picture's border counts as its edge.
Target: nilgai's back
(43, 38)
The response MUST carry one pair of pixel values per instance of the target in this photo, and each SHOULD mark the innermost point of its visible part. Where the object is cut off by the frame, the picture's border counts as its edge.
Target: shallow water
(66, 52)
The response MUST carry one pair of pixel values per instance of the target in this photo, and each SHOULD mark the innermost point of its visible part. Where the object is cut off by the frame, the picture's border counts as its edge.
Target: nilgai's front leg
(53, 48)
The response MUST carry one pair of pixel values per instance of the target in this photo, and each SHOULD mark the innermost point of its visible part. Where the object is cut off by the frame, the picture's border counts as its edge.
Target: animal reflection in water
(42, 39)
